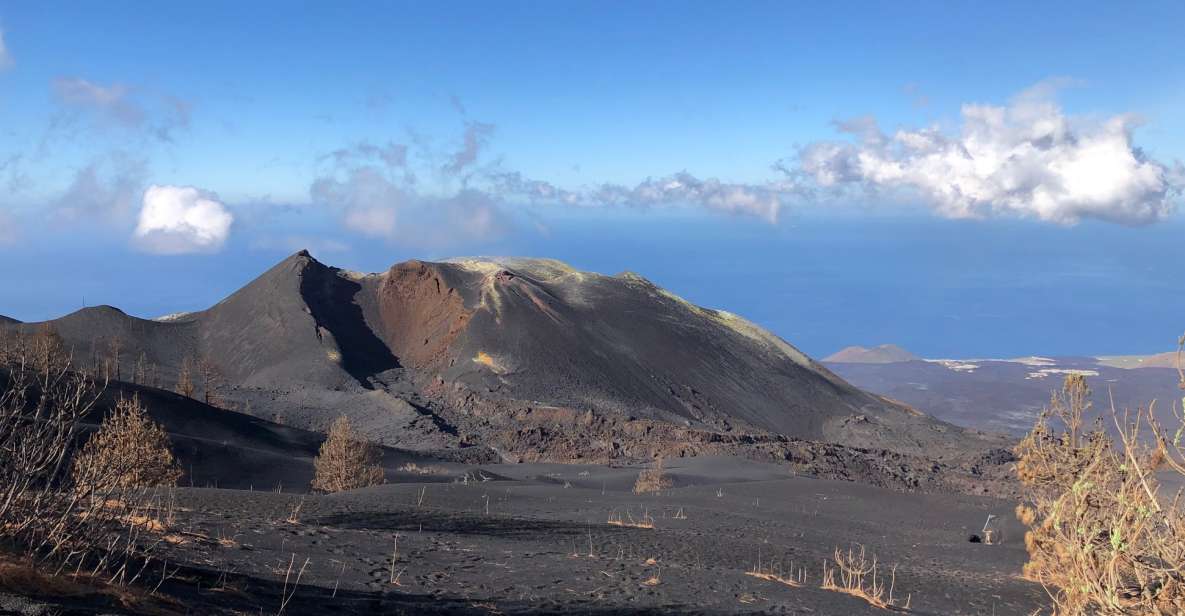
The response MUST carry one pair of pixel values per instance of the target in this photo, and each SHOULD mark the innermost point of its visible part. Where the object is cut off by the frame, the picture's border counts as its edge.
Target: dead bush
(128, 451)
(185, 385)
(43, 513)
(653, 479)
(1101, 538)
(41, 402)
(346, 460)
(56, 521)
(858, 575)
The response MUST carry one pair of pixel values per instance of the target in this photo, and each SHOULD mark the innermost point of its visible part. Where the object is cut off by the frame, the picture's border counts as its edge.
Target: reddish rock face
(420, 315)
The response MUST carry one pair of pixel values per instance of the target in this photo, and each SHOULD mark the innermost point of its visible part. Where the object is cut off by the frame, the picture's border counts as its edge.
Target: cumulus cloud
(1026, 158)
(6, 61)
(181, 220)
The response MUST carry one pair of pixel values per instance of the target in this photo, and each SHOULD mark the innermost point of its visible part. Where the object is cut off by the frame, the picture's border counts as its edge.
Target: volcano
(527, 357)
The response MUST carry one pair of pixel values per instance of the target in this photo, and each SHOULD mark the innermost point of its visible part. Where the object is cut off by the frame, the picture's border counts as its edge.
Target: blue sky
(791, 149)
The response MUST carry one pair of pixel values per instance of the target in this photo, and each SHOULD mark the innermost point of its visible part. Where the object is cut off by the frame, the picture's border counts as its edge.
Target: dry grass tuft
(653, 480)
(1101, 539)
(346, 461)
(27, 580)
(294, 512)
(773, 572)
(858, 575)
(616, 519)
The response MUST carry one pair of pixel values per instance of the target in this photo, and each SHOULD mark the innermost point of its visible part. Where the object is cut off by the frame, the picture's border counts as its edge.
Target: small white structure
(992, 533)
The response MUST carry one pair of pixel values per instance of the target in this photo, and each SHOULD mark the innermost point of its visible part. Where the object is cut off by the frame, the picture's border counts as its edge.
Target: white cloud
(6, 61)
(180, 220)
(1026, 158)
(761, 201)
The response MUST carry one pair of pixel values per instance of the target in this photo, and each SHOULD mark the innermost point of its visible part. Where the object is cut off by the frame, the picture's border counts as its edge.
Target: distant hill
(1007, 395)
(1159, 360)
(883, 354)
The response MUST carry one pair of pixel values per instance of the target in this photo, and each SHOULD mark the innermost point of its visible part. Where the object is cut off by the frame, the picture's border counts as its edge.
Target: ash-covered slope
(537, 330)
(450, 353)
(95, 334)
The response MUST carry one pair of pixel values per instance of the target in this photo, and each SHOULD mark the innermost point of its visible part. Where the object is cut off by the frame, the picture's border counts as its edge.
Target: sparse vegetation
(771, 571)
(855, 573)
(628, 520)
(185, 385)
(653, 479)
(346, 460)
(1102, 539)
(211, 380)
(48, 513)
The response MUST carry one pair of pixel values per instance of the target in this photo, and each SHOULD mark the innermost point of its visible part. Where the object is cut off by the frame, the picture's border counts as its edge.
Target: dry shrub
(128, 451)
(653, 479)
(1101, 538)
(346, 461)
(42, 400)
(858, 575)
